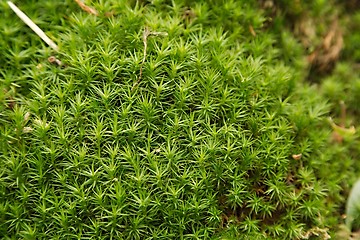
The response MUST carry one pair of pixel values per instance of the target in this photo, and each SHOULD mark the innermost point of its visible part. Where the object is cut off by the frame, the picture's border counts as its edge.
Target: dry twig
(252, 31)
(87, 8)
(33, 26)
(147, 33)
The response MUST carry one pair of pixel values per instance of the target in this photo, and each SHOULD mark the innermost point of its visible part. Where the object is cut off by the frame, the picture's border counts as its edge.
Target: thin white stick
(33, 26)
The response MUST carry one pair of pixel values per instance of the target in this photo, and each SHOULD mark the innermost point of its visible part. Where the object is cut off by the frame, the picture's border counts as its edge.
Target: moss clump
(207, 145)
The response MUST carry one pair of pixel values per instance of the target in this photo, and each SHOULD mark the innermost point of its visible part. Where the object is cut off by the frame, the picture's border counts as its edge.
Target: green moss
(201, 148)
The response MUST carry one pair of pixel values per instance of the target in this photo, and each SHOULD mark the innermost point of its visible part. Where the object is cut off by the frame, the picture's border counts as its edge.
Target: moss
(207, 145)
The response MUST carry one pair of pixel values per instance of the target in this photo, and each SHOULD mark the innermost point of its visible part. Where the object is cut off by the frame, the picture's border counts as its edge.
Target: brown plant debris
(146, 34)
(189, 15)
(318, 232)
(110, 14)
(252, 31)
(86, 8)
(54, 60)
(290, 178)
(27, 129)
(11, 103)
(267, 4)
(305, 29)
(297, 156)
(324, 57)
(9, 99)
